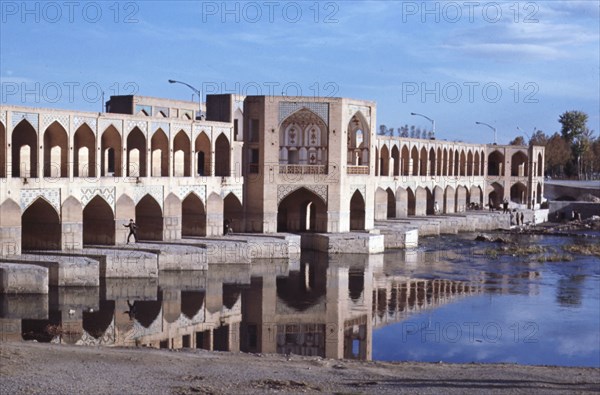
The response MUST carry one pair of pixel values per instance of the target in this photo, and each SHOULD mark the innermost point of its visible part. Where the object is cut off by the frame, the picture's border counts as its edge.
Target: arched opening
(377, 162)
(193, 216)
(149, 218)
(2, 151)
(495, 164)
(401, 203)
(423, 160)
(457, 171)
(470, 164)
(449, 203)
(539, 193)
(84, 157)
(432, 164)
(222, 156)
(136, 153)
(461, 199)
(24, 150)
(421, 198)
(439, 162)
(110, 147)
(438, 199)
(540, 165)
(482, 164)
(95, 323)
(476, 164)
(357, 211)
(414, 158)
(233, 213)
(451, 163)
(405, 161)
(98, 223)
(463, 164)
(476, 196)
(302, 289)
(56, 151)
(385, 161)
(445, 163)
(358, 140)
(518, 193)
(496, 195)
(391, 204)
(181, 160)
(192, 302)
(41, 228)
(380, 204)
(412, 202)
(159, 149)
(293, 209)
(396, 160)
(430, 202)
(202, 148)
(519, 165)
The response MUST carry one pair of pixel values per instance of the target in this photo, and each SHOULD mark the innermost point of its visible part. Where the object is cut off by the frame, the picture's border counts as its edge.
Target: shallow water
(446, 301)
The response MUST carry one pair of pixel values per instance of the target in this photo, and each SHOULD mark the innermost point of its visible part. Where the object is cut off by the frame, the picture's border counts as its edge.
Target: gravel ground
(34, 368)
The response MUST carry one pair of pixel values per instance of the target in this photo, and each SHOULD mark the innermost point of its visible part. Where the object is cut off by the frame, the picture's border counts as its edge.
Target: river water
(450, 300)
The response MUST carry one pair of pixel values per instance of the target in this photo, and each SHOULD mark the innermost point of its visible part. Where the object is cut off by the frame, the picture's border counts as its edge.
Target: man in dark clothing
(132, 230)
(505, 206)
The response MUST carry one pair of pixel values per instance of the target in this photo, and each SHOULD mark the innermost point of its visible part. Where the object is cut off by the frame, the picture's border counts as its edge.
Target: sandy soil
(34, 368)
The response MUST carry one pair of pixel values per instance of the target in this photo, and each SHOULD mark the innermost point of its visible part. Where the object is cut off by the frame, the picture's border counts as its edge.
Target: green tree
(538, 138)
(558, 155)
(573, 125)
(519, 140)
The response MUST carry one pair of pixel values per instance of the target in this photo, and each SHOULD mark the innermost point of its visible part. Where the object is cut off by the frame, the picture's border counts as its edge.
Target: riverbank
(31, 368)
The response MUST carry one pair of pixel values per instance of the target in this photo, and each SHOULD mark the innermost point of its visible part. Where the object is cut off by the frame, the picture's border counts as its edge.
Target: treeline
(405, 131)
(573, 152)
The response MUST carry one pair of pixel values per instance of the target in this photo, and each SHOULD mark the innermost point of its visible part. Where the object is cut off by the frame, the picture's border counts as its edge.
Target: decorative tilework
(199, 190)
(160, 125)
(51, 195)
(321, 109)
(364, 110)
(360, 188)
(142, 125)
(156, 191)
(109, 194)
(284, 190)
(104, 123)
(235, 189)
(177, 126)
(202, 128)
(3, 118)
(48, 119)
(31, 117)
(91, 122)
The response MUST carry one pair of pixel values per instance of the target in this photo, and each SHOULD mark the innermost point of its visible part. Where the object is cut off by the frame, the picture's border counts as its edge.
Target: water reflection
(328, 306)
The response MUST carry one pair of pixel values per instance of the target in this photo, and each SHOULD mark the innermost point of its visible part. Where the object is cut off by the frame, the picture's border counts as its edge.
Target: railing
(358, 170)
(302, 169)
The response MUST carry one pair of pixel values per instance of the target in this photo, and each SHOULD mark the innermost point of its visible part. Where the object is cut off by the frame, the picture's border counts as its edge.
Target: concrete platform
(63, 270)
(129, 288)
(344, 243)
(20, 278)
(119, 263)
(171, 256)
(398, 234)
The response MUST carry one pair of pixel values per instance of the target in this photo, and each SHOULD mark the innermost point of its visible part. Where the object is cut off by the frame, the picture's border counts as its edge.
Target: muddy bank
(31, 368)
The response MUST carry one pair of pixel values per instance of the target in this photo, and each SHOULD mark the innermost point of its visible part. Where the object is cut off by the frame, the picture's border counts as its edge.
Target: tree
(382, 130)
(573, 125)
(519, 140)
(558, 155)
(538, 138)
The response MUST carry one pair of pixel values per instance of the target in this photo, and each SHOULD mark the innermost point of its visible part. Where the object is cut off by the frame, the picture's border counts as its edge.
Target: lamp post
(195, 91)
(430, 120)
(491, 127)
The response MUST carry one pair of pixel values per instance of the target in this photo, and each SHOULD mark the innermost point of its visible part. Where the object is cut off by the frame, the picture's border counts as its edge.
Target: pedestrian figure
(505, 206)
(132, 230)
(522, 218)
(436, 208)
(227, 227)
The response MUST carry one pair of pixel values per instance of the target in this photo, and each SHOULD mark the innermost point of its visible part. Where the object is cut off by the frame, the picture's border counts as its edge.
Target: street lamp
(430, 120)
(491, 127)
(195, 91)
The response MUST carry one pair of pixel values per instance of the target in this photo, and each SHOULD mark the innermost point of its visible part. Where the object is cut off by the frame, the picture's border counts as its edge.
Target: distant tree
(404, 131)
(382, 130)
(519, 140)
(413, 132)
(558, 155)
(573, 125)
(538, 138)
(391, 131)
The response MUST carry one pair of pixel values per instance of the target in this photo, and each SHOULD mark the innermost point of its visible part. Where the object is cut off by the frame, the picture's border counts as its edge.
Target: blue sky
(507, 64)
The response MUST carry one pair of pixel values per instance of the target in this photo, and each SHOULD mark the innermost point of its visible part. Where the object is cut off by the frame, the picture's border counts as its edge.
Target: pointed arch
(518, 193)
(461, 199)
(98, 222)
(84, 152)
(149, 218)
(470, 164)
(24, 150)
(449, 200)
(182, 157)
(411, 202)
(519, 166)
(111, 152)
(136, 153)
(159, 149)
(357, 211)
(463, 164)
(358, 140)
(540, 166)
(414, 157)
(40, 227)
(423, 162)
(203, 155)
(56, 151)
(405, 161)
(476, 164)
(222, 156)
(495, 163)
(233, 212)
(385, 161)
(401, 202)
(445, 163)
(495, 195)
(432, 162)
(381, 203)
(396, 159)
(293, 210)
(391, 203)
(193, 216)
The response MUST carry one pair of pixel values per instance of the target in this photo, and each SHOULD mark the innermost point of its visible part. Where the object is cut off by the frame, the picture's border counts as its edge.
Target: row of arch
(109, 154)
(41, 224)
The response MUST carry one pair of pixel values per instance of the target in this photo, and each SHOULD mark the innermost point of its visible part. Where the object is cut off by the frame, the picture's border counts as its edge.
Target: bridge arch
(476, 195)
(518, 165)
(396, 159)
(181, 155)
(405, 170)
(111, 152)
(56, 151)
(24, 150)
(300, 211)
(159, 148)
(357, 211)
(2, 151)
(411, 202)
(461, 198)
(495, 164)
(495, 195)
(222, 156)
(203, 155)
(233, 212)
(421, 201)
(40, 227)
(98, 222)
(149, 218)
(193, 216)
(84, 152)
(449, 200)
(136, 153)
(414, 159)
(438, 197)
(518, 193)
(391, 203)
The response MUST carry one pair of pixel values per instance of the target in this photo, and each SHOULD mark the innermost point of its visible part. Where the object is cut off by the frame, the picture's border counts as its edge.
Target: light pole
(195, 91)
(430, 120)
(491, 127)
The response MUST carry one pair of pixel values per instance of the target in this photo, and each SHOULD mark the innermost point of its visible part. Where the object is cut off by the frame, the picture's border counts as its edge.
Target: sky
(514, 65)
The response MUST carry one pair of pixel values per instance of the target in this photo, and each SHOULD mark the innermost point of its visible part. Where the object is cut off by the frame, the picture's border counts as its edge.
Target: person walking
(505, 206)
(132, 231)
